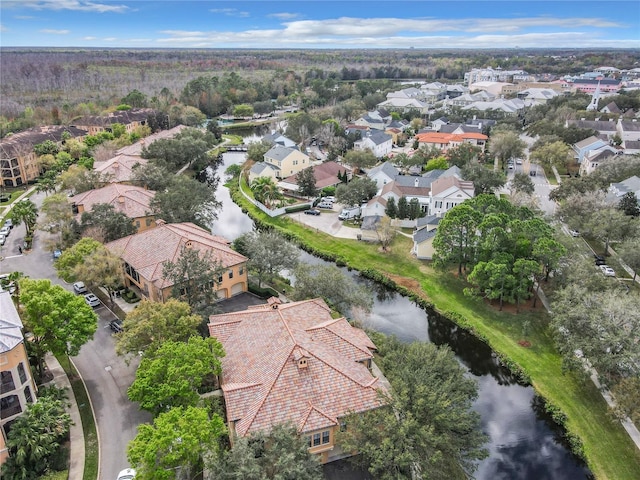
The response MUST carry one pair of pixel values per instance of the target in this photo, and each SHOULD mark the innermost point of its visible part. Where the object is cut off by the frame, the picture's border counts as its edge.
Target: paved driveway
(327, 222)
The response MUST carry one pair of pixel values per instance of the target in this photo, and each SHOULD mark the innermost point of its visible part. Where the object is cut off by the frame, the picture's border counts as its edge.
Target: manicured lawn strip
(88, 422)
(609, 451)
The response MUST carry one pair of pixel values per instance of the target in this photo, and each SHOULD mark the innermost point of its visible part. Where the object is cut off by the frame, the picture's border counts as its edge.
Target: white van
(349, 213)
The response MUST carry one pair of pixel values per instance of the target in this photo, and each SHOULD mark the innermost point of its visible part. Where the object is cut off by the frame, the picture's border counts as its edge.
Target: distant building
(131, 119)
(18, 162)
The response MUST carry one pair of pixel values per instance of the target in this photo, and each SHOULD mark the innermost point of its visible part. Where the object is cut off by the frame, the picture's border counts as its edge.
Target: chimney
(415, 182)
(121, 199)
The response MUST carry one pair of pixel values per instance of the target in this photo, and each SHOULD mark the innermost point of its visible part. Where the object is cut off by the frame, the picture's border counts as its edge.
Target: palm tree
(265, 190)
(27, 212)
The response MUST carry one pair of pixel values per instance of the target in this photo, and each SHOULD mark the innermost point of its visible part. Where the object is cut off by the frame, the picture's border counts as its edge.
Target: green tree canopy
(60, 321)
(151, 324)
(427, 425)
(268, 253)
(106, 222)
(306, 181)
(173, 374)
(25, 211)
(522, 183)
(357, 191)
(329, 283)
(194, 275)
(186, 200)
(74, 256)
(35, 441)
(359, 159)
(176, 445)
(279, 454)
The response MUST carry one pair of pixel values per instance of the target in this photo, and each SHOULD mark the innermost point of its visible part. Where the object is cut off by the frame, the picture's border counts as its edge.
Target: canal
(524, 442)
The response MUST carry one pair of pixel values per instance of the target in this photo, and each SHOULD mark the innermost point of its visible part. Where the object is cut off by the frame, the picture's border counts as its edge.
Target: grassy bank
(88, 422)
(578, 405)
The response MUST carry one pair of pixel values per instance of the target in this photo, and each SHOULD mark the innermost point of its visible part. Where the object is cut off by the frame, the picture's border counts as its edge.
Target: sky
(320, 24)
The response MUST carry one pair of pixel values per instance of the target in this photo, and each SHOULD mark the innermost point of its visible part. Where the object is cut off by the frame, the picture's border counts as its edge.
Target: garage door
(237, 288)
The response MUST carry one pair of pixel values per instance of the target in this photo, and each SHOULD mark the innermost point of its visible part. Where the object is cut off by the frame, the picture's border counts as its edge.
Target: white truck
(348, 213)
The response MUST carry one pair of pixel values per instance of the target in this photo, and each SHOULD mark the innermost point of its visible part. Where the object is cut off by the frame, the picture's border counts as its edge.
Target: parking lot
(327, 222)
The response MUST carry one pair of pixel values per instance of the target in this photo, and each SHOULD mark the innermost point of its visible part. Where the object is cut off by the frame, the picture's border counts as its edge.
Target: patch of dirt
(408, 283)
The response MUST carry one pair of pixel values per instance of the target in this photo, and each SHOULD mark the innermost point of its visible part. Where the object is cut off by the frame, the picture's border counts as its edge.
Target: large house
(447, 192)
(18, 161)
(134, 202)
(380, 143)
(295, 363)
(445, 141)
(145, 253)
(285, 161)
(18, 388)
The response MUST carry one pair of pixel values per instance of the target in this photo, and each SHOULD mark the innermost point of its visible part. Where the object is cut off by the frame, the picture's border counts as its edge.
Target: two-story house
(380, 143)
(134, 202)
(445, 141)
(131, 119)
(295, 363)
(144, 254)
(286, 161)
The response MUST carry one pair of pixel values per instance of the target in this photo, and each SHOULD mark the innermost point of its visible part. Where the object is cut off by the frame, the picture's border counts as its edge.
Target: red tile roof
(133, 201)
(120, 167)
(262, 382)
(148, 251)
(436, 137)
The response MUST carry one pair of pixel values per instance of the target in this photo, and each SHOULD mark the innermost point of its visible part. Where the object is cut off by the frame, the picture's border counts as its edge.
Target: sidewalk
(76, 434)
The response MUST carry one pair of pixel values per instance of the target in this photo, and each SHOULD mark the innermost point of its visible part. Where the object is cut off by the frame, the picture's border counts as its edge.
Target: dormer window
(302, 363)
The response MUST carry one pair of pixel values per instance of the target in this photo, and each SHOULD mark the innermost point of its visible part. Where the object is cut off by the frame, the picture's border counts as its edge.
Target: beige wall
(9, 362)
(234, 281)
(424, 250)
(292, 164)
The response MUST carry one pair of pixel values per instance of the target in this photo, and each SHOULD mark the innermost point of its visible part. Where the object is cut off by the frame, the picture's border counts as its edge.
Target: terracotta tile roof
(133, 201)
(120, 167)
(262, 382)
(326, 174)
(148, 251)
(435, 137)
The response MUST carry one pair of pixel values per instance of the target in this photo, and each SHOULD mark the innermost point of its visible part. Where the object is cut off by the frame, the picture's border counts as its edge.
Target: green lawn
(608, 449)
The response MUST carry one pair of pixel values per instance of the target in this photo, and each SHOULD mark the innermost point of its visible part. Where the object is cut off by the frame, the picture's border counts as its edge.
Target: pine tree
(392, 209)
(403, 208)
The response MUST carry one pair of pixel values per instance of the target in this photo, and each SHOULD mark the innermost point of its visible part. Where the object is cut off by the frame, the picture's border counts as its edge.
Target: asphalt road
(106, 375)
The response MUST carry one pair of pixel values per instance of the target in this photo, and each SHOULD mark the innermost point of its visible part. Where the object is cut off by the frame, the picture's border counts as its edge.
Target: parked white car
(126, 474)
(79, 287)
(92, 300)
(608, 271)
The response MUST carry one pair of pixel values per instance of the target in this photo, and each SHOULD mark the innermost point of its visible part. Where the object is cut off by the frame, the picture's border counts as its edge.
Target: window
(137, 223)
(230, 274)
(316, 439)
(27, 395)
(9, 406)
(148, 222)
(241, 271)
(21, 373)
(7, 381)
(219, 278)
(325, 437)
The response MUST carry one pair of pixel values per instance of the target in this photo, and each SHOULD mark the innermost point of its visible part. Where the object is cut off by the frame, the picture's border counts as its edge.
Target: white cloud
(284, 15)
(361, 38)
(78, 5)
(89, 38)
(55, 32)
(110, 39)
(3, 28)
(231, 12)
(24, 17)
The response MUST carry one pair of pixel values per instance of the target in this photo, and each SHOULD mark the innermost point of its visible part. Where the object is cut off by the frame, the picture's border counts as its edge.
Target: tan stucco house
(145, 253)
(294, 363)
